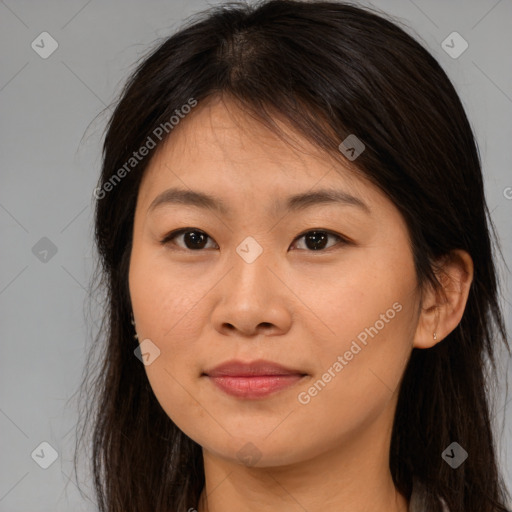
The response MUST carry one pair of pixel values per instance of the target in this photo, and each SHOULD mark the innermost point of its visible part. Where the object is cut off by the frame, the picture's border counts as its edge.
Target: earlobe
(444, 307)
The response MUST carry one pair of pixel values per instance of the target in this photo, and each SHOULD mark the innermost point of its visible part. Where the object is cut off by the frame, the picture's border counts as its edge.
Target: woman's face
(245, 283)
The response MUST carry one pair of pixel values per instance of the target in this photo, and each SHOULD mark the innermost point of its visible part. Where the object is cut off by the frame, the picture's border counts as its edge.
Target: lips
(255, 368)
(254, 380)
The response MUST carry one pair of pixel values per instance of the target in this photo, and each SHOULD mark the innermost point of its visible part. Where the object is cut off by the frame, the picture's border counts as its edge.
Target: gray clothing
(417, 502)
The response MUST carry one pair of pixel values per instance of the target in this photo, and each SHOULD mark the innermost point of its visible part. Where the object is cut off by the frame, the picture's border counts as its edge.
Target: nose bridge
(250, 263)
(251, 298)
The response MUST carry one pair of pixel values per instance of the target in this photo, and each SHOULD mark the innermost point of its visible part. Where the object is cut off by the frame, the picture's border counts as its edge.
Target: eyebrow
(292, 204)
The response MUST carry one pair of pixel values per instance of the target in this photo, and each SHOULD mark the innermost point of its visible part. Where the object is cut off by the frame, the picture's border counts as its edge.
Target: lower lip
(254, 387)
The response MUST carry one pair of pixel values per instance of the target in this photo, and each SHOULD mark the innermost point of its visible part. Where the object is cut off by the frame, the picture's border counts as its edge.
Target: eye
(316, 240)
(195, 239)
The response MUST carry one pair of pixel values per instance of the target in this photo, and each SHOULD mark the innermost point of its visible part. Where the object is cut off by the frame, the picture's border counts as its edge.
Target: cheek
(170, 311)
(164, 300)
(362, 326)
(357, 295)
(359, 370)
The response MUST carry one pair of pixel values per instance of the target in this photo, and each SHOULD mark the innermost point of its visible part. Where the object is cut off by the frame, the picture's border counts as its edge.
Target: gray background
(50, 160)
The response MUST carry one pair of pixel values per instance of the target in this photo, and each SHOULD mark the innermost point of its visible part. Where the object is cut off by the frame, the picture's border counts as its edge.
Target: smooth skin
(294, 305)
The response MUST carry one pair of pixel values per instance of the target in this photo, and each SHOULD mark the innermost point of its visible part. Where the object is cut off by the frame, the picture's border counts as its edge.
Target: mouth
(258, 379)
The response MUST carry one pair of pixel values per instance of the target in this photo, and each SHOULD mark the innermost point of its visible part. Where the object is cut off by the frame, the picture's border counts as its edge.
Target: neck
(355, 478)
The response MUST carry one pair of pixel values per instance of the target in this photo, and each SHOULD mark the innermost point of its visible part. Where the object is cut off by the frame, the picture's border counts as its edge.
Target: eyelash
(173, 234)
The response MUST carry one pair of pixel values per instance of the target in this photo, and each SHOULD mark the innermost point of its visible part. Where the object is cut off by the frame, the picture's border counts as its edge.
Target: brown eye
(317, 240)
(193, 239)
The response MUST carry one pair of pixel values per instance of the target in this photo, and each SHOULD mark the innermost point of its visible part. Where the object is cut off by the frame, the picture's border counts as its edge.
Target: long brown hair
(330, 69)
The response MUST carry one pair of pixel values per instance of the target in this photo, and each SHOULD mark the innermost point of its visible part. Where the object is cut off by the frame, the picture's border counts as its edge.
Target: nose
(253, 297)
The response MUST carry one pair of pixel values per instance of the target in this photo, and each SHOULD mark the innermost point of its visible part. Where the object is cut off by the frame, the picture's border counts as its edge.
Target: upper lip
(260, 367)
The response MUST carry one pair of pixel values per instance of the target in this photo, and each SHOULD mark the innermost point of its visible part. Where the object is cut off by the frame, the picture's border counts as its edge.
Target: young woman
(301, 296)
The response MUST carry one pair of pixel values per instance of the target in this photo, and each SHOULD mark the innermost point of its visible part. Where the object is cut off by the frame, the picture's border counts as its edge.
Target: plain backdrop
(50, 161)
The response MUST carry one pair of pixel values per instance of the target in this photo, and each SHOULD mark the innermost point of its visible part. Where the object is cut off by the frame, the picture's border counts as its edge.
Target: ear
(442, 309)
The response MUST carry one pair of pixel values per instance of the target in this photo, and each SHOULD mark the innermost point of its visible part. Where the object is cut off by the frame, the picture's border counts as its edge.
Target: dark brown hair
(329, 69)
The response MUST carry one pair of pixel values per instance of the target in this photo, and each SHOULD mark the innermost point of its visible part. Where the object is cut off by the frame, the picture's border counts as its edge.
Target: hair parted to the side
(329, 69)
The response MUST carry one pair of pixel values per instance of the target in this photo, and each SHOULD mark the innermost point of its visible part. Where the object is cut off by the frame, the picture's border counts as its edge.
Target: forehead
(222, 149)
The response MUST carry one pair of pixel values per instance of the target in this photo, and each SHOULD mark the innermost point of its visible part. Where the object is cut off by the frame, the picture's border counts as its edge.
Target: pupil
(314, 237)
(193, 236)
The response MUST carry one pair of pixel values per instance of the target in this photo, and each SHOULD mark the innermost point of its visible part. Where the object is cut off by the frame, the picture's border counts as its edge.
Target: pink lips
(253, 380)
